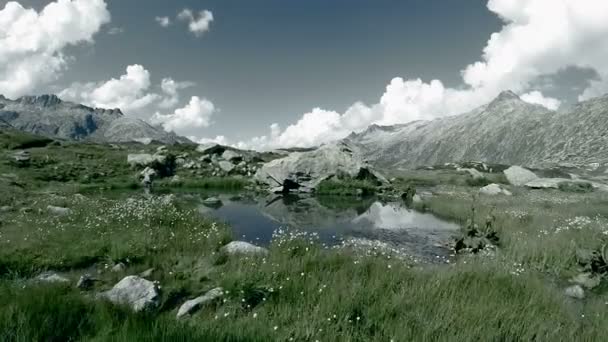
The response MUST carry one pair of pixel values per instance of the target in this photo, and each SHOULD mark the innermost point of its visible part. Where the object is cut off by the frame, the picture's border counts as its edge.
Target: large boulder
(518, 176)
(138, 293)
(304, 171)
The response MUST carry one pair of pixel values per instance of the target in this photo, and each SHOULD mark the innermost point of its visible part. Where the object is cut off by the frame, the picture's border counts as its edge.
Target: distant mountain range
(505, 131)
(49, 116)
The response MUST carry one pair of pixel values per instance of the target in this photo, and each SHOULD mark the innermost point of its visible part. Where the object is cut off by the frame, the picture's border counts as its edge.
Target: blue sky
(264, 62)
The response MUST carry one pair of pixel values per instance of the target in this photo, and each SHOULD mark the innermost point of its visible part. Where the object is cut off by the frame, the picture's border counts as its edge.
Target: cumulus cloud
(536, 97)
(187, 120)
(129, 92)
(197, 24)
(163, 21)
(32, 43)
(538, 38)
(171, 89)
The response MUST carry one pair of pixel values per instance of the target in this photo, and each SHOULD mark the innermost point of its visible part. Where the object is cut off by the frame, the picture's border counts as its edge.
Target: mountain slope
(48, 115)
(505, 131)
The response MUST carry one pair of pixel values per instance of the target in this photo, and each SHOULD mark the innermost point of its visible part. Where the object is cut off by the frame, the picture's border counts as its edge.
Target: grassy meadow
(300, 291)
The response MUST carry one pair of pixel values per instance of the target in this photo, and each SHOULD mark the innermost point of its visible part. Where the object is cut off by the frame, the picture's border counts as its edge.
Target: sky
(273, 73)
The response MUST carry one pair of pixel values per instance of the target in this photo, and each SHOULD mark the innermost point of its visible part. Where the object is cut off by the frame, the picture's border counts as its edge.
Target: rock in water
(138, 293)
(243, 248)
(493, 190)
(192, 305)
(518, 176)
(304, 171)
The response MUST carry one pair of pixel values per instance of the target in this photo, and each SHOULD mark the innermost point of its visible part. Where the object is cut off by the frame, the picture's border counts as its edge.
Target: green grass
(218, 183)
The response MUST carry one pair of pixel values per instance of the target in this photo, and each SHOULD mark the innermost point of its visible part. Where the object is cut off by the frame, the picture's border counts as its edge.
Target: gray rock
(304, 171)
(243, 248)
(52, 277)
(493, 190)
(575, 291)
(518, 176)
(232, 156)
(85, 282)
(546, 183)
(22, 157)
(6, 209)
(472, 172)
(138, 293)
(587, 280)
(195, 304)
(147, 176)
(59, 211)
(212, 201)
(147, 273)
(145, 159)
(120, 267)
(226, 166)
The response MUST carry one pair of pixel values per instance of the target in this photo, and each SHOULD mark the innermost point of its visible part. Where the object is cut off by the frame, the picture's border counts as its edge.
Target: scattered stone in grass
(195, 304)
(6, 209)
(59, 211)
(52, 277)
(587, 280)
(575, 291)
(85, 282)
(147, 273)
(243, 248)
(138, 293)
(120, 267)
(493, 190)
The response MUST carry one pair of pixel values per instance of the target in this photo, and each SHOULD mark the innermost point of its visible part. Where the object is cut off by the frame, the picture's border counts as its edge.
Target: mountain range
(505, 131)
(47, 115)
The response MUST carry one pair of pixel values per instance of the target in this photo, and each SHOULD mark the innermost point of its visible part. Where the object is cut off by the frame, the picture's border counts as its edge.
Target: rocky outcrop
(304, 171)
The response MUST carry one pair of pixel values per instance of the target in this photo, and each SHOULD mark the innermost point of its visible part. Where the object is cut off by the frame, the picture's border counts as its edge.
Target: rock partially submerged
(304, 171)
(138, 293)
(243, 248)
(518, 176)
(195, 304)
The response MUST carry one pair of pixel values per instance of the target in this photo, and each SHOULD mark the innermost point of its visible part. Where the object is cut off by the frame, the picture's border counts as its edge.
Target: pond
(335, 221)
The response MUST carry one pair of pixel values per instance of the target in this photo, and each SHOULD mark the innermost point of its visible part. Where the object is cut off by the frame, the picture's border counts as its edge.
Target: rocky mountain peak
(507, 95)
(48, 100)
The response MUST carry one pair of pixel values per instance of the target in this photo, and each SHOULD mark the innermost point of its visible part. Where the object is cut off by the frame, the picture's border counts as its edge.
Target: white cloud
(187, 120)
(115, 30)
(171, 89)
(197, 25)
(163, 21)
(538, 38)
(129, 92)
(536, 97)
(32, 43)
